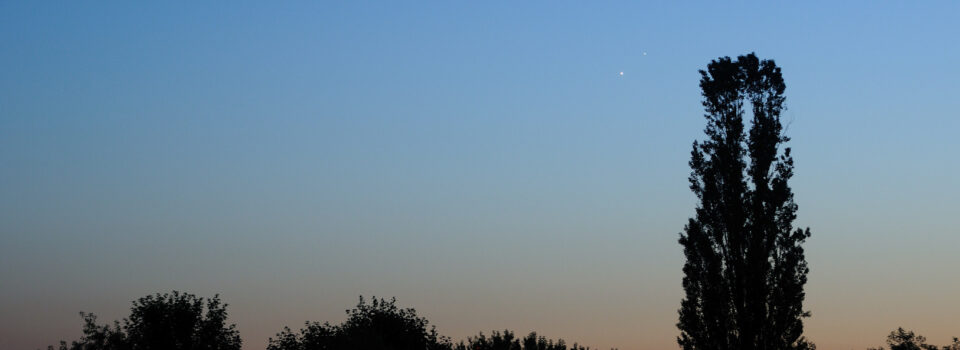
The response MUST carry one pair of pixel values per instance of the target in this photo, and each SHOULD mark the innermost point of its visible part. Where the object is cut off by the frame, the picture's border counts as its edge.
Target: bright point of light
(621, 73)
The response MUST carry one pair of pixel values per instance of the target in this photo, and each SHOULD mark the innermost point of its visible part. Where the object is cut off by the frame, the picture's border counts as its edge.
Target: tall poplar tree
(745, 268)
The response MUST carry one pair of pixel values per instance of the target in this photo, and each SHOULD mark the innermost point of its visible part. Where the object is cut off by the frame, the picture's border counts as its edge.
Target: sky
(484, 162)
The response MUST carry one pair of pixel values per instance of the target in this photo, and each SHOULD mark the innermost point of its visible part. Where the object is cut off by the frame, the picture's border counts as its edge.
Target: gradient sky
(484, 162)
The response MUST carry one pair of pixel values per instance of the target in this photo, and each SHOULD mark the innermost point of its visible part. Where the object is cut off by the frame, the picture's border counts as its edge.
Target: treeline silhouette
(901, 339)
(182, 321)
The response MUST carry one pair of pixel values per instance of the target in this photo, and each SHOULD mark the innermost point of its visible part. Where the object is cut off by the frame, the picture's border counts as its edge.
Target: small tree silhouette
(901, 339)
(507, 341)
(379, 325)
(161, 322)
(955, 345)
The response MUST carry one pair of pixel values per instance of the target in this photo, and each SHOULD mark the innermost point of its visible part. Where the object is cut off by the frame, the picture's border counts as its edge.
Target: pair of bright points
(621, 72)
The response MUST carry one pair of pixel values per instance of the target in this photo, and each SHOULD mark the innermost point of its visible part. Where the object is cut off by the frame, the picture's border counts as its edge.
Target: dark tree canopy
(745, 267)
(901, 339)
(163, 321)
(955, 345)
(508, 341)
(379, 325)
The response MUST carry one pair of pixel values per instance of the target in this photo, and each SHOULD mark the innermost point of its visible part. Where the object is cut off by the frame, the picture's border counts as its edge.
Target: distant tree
(507, 341)
(97, 337)
(379, 325)
(314, 336)
(496, 341)
(901, 339)
(178, 321)
(955, 345)
(745, 268)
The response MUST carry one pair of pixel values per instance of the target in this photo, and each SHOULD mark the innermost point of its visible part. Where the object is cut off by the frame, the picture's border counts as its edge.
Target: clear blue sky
(484, 162)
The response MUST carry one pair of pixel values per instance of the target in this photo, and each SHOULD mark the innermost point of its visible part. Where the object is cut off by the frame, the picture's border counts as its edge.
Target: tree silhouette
(163, 321)
(97, 337)
(507, 341)
(379, 325)
(901, 339)
(745, 267)
(496, 341)
(955, 345)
